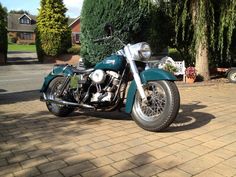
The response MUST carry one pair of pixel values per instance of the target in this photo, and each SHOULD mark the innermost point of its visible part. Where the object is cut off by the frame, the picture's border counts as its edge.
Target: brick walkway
(201, 142)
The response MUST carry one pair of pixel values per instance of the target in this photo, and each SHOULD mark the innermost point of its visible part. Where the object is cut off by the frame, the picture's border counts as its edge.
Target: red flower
(191, 72)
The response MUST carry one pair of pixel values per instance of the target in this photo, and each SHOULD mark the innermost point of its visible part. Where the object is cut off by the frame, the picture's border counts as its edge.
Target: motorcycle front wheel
(57, 109)
(161, 109)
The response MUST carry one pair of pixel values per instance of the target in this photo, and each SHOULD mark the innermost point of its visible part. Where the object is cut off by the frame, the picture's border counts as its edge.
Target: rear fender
(147, 75)
(58, 71)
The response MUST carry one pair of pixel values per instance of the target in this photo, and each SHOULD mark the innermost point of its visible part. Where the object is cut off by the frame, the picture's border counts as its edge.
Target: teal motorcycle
(122, 79)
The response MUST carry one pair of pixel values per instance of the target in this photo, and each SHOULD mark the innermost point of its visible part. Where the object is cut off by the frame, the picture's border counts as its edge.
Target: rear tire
(164, 102)
(57, 109)
(232, 76)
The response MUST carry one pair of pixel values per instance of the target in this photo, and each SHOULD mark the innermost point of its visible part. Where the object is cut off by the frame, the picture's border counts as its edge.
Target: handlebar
(107, 38)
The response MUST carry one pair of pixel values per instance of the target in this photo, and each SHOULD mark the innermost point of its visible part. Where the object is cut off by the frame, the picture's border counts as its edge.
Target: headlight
(141, 51)
(145, 51)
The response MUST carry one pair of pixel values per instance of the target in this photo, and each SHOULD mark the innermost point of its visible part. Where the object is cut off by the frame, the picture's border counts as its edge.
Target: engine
(105, 85)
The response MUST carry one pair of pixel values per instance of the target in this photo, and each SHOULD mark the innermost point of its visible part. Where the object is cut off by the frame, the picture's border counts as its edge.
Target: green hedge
(144, 19)
(75, 49)
(94, 16)
(3, 33)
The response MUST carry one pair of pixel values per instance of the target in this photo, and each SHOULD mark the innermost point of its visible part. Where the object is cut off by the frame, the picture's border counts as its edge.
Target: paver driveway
(201, 142)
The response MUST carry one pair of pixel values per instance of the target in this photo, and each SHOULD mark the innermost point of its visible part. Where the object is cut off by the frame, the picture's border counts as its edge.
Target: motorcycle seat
(82, 70)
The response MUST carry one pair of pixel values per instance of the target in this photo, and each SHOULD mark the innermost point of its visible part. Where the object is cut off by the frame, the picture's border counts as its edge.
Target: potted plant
(190, 74)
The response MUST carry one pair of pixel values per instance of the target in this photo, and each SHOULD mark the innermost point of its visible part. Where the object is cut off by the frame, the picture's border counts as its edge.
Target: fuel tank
(113, 63)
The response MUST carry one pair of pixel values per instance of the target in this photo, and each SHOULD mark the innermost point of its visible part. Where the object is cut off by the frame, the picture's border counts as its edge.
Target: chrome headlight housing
(98, 76)
(141, 51)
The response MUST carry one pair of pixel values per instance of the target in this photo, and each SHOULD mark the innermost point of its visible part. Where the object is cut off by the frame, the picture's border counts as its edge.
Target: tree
(19, 12)
(139, 17)
(3, 33)
(53, 34)
(209, 26)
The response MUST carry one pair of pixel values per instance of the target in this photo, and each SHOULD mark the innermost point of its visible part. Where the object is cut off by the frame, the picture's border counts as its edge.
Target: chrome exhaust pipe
(62, 102)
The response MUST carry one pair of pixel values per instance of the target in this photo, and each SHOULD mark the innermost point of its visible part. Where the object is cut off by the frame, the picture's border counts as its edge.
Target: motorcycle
(150, 94)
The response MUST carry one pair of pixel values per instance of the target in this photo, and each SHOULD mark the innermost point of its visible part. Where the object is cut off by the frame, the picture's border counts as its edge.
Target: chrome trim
(62, 102)
(135, 72)
(70, 103)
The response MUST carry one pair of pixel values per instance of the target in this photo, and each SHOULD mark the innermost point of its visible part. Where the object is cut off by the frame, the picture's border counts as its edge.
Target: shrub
(12, 39)
(3, 32)
(75, 49)
(53, 36)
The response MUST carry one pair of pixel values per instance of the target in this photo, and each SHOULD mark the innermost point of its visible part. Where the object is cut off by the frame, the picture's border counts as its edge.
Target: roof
(23, 16)
(74, 20)
(14, 25)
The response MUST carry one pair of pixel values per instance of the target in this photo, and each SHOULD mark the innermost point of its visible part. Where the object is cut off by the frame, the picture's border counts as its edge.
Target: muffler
(63, 102)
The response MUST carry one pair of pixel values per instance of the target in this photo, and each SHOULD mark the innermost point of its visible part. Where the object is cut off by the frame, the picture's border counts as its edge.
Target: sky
(74, 6)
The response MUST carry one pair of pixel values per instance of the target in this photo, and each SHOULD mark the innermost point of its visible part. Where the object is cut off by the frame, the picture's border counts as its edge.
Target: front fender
(147, 75)
(61, 70)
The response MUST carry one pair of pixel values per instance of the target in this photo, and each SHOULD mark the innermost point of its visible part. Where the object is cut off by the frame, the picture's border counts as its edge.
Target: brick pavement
(201, 142)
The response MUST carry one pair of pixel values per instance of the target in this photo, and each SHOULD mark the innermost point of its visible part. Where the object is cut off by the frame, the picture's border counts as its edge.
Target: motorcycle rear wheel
(57, 109)
(162, 108)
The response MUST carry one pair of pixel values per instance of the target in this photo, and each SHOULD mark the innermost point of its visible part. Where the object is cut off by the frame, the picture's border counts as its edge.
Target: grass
(21, 47)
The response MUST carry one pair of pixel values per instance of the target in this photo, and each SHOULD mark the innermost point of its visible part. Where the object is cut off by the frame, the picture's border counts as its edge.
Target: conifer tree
(3, 33)
(53, 33)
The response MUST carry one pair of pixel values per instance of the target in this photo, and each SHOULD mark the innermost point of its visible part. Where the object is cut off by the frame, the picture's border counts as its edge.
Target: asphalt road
(23, 73)
(21, 82)
(19, 78)
(22, 78)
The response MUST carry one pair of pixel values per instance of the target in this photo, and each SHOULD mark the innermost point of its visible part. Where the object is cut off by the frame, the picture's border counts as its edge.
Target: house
(75, 28)
(21, 28)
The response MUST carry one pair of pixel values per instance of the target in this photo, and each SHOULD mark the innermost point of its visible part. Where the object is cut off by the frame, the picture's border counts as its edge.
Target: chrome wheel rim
(157, 101)
(233, 77)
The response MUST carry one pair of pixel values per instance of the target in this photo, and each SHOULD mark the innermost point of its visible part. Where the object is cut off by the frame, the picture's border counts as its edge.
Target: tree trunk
(3, 59)
(202, 59)
(202, 52)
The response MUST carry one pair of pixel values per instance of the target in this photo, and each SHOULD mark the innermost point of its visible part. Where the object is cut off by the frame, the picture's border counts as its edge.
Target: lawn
(21, 47)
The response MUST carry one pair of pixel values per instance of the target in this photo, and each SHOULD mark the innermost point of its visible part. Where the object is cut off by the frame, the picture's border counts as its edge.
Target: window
(76, 37)
(24, 20)
(26, 36)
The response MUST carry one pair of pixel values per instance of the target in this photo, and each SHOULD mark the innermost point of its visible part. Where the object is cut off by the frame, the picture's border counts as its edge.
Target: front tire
(162, 109)
(57, 109)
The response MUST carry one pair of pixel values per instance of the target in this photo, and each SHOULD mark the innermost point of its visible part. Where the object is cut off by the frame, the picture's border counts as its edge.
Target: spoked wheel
(162, 107)
(51, 93)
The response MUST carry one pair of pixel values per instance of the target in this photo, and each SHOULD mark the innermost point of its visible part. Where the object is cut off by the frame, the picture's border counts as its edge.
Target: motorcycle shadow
(114, 115)
(190, 117)
(15, 97)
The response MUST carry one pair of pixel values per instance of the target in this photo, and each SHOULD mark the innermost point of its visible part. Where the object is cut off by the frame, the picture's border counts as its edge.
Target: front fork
(135, 72)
